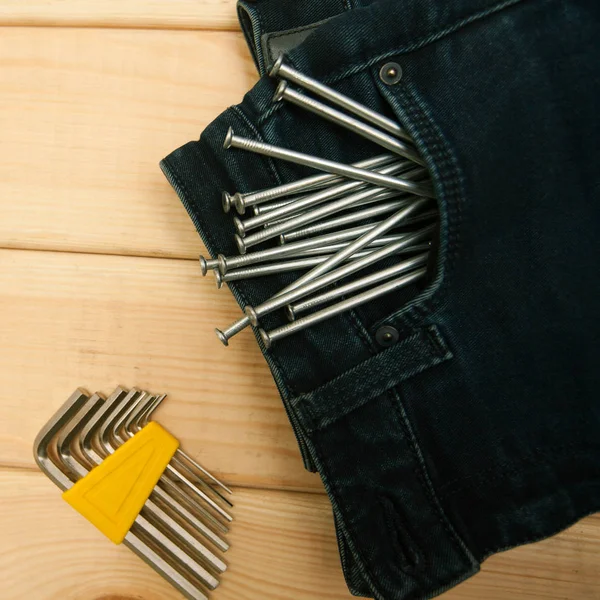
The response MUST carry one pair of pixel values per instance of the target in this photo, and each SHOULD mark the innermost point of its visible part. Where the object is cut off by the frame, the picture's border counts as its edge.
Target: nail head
(228, 138)
(222, 337)
(276, 66)
(226, 202)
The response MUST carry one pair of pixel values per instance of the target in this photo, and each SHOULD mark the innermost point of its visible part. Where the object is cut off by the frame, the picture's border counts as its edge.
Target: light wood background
(99, 286)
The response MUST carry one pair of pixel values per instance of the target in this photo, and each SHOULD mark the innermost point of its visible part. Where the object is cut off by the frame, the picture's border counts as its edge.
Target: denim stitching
(242, 115)
(422, 41)
(423, 476)
(448, 175)
(339, 506)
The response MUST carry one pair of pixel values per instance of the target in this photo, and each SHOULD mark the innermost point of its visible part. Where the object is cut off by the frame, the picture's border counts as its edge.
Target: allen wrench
(159, 557)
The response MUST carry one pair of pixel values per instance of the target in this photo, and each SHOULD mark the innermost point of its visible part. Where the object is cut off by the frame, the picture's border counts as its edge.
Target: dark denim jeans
(479, 429)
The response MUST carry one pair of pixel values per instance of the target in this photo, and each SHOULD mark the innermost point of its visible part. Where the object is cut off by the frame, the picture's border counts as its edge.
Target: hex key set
(128, 476)
(338, 226)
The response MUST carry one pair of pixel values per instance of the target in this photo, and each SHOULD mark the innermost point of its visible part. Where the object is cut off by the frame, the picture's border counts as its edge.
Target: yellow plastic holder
(112, 494)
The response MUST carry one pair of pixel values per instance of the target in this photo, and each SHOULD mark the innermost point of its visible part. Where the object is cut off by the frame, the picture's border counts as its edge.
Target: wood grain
(98, 321)
(169, 14)
(86, 115)
(283, 547)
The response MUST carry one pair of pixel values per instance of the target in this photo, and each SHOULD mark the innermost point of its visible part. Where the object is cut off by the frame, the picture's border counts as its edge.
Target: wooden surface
(99, 286)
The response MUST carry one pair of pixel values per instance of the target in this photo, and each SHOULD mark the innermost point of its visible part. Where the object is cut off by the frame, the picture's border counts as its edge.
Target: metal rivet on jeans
(391, 73)
(387, 336)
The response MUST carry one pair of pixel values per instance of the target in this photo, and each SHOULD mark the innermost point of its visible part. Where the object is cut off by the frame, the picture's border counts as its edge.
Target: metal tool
(389, 142)
(268, 337)
(283, 71)
(322, 164)
(167, 539)
(336, 226)
(314, 182)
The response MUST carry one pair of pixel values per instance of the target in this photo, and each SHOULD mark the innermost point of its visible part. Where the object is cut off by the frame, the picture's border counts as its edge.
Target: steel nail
(316, 214)
(339, 222)
(269, 337)
(234, 141)
(362, 242)
(305, 202)
(292, 310)
(260, 209)
(280, 69)
(226, 334)
(234, 262)
(275, 268)
(243, 201)
(285, 92)
(303, 289)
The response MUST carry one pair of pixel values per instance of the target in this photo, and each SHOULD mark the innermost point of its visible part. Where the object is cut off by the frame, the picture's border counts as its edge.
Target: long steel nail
(323, 241)
(273, 268)
(346, 253)
(261, 209)
(316, 214)
(226, 334)
(243, 201)
(280, 69)
(329, 166)
(269, 337)
(385, 140)
(292, 310)
(340, 222)
(297, 292)
(320, 197)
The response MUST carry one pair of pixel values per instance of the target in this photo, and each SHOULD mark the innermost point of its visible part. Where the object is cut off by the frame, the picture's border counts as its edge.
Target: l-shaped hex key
(45, 446)
(169, 532)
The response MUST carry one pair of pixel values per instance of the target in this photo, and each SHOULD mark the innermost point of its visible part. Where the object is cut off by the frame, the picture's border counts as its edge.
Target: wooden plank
(86, 115)
(98, 321)
(283, 547)
(172, 14)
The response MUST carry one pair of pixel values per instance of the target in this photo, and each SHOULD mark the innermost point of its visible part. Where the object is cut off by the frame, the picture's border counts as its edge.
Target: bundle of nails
(180, 528)
(336, 226)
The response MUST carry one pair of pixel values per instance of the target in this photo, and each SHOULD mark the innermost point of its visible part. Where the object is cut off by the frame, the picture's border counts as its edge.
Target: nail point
(222, 337)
